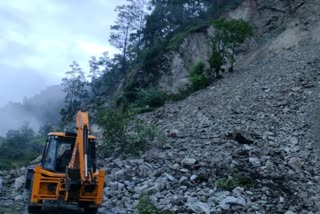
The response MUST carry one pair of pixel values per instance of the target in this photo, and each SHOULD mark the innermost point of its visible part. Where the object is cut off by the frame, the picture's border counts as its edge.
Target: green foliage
(141, 135)
(229, 184)
(182, 94)
(74, 86)
(198, 76)
(19, 147)
(137, 101)
(177, 39)
(123, 134)
(151, 56)
(228, 35)
(114, 124)
(216, 61)
(145, 206)
(152, 97)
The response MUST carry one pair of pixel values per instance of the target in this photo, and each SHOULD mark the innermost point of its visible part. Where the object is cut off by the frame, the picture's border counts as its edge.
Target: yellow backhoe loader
(67, 174)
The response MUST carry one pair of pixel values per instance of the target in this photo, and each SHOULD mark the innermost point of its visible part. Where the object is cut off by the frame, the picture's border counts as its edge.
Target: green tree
(74, 86)
(126, 32)
(97, 69)
(228, 35)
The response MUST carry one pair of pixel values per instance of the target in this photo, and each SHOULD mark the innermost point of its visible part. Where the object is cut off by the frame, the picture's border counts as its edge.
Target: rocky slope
(257, 126)
(246, 144)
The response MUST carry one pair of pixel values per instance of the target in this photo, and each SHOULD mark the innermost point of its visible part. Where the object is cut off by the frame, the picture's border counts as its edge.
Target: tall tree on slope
(126, 28)
(74, 86)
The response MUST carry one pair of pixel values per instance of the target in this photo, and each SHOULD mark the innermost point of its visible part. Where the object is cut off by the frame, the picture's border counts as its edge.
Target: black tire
(90, 210)
(32, 209)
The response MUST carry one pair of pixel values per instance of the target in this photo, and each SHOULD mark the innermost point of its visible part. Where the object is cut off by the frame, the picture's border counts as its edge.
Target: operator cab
(58, 151)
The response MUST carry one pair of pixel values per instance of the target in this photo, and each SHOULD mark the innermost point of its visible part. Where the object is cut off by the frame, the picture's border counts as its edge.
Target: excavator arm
(78, 174)
(79, 158)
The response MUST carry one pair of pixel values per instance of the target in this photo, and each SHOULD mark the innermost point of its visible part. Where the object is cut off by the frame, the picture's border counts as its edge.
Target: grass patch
(145, 206)
(230, 184)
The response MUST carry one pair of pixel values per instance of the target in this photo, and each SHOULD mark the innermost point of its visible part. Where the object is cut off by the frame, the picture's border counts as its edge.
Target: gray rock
(119, 175)
(170, 177)
(175, 166)
(19, 182)
(199, 207)
(255, 161)
(294, 141)
(289, 212)
(192, 200)
(188, 161)
(183, 180)
(238, 191)
(118, 162)
(230, 200)
(1, 183)
(296, 89)
(184, 170)
(193, 177)
(295, 163)
(140, 189)
(18, 198)
(154, 189)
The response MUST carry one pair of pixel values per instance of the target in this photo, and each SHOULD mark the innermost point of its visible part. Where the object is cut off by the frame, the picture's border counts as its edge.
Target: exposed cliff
(278, 25)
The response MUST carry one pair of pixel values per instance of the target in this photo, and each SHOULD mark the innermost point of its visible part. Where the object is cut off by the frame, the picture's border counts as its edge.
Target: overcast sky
(40, 38)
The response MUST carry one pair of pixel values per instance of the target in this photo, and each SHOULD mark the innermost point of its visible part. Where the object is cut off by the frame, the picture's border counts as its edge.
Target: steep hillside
(248, 143)
(256, 127)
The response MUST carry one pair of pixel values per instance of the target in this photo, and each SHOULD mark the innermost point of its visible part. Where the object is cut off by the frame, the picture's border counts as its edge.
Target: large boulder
(19, 182)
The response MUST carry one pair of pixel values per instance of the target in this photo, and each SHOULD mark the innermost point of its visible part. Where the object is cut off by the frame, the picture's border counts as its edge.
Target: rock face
(175, 69)
(277, 24)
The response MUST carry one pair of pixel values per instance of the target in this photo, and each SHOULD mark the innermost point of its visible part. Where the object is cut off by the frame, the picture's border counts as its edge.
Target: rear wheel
(90, 210)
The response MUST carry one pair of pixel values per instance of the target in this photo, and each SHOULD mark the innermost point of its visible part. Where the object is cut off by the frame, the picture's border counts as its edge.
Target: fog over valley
(41, 39)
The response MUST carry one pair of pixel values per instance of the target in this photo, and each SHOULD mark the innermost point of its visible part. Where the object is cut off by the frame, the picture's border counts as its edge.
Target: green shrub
(145, 206)
(182, 94)
(123, 134)
(198, 76)
(114, 124)
(230, 184)
(152, 97)
(140, 136)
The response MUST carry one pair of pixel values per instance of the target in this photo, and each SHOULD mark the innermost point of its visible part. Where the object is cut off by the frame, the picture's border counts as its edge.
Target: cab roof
(68, 134)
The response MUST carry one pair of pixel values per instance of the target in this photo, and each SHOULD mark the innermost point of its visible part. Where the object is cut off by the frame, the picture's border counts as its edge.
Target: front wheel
(90, 210)
(32, 209)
